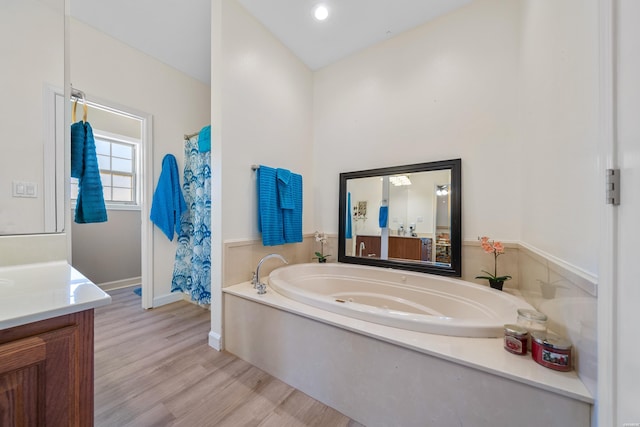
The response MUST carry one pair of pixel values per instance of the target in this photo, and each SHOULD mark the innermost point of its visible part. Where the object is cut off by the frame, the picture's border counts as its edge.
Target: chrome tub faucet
(255, 281)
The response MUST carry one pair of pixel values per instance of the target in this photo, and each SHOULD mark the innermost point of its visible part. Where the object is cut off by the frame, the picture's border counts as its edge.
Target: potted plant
(320, 256)
(497, 249)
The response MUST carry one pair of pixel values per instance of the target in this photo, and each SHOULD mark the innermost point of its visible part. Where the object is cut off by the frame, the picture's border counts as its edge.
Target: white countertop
(33, 292)
(485, 354)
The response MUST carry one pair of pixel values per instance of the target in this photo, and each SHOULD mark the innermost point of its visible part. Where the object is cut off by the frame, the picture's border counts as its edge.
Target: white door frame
(53, 188)
(145, 175)
(607, 282)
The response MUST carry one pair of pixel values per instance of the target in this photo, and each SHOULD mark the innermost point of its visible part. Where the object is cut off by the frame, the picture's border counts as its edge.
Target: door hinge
(613, 187)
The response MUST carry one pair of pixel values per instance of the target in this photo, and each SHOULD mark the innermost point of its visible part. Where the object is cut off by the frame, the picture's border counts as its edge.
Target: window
(117, 160)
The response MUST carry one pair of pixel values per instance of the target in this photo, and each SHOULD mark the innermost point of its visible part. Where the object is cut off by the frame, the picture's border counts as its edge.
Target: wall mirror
(32, 43)
(406, 217)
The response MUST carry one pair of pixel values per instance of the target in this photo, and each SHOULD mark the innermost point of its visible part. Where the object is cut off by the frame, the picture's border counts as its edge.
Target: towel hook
(79, 95)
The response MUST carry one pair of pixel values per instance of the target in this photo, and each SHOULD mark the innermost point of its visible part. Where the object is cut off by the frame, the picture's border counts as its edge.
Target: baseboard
(167, 299)
(215, 340)
(117, 284)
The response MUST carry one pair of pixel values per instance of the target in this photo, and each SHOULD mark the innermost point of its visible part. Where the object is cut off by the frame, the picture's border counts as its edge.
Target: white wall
(441, 91)
(262, 114)
(510, 87)
(367, 190)
(108, 251)
(266, 119)
(558, 129)
(108, 69)
(627, 395)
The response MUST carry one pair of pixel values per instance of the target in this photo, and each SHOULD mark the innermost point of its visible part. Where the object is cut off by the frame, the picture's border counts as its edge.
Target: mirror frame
(455, 269)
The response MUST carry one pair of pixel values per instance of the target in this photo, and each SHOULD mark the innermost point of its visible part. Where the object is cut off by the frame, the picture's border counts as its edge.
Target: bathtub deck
(385, 376)
(484, 354)
(155, 368)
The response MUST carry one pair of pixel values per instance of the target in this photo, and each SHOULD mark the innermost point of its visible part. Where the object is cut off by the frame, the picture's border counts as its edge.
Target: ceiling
(178, 33)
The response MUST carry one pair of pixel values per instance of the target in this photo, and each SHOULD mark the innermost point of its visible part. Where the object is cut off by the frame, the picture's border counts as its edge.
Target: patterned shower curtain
(192, 269)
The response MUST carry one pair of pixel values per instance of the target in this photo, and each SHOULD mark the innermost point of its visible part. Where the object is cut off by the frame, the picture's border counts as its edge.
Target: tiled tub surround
(566, 294)
(381, 376)
(242, 256)
(571, 310)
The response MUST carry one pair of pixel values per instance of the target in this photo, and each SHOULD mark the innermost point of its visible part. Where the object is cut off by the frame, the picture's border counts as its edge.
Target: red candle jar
(551, 351)
(515, 339)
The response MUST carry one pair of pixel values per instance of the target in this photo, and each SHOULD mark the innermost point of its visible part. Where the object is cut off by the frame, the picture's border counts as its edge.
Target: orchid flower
(497, 249)
(322, 238)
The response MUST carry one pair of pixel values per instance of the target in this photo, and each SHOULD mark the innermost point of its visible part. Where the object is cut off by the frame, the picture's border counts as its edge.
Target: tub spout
(262, 287)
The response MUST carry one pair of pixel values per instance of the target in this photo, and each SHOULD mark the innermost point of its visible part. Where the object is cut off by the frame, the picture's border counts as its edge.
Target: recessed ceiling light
(321, 12)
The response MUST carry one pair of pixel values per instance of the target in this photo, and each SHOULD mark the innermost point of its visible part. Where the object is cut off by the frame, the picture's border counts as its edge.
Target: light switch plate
(24, 189)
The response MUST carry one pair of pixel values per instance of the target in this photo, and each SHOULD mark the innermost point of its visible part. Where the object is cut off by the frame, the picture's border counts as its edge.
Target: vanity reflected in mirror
(32, 127)
(406, 217)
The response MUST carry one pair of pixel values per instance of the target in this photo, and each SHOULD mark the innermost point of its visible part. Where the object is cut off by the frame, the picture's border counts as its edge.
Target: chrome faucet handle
(262, 288)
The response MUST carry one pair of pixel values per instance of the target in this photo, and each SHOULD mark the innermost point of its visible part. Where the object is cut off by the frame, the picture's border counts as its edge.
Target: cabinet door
(369, 246)
(22, 391)
(405, 248)
(39, 384)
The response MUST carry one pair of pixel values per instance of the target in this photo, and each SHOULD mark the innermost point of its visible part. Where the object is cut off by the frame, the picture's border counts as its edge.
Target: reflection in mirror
(406, 217)
(32, 50)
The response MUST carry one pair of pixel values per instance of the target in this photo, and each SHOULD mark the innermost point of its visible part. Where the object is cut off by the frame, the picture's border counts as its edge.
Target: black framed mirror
(406, 217)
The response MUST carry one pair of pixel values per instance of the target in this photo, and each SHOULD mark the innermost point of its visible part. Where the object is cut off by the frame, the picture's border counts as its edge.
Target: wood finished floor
(155, 368)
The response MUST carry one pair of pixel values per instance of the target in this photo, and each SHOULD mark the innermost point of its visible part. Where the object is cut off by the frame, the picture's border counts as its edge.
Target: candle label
(555, 358)
(513, 344)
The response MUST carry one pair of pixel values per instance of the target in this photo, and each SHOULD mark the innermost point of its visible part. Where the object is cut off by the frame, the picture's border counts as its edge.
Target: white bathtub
(413, 301)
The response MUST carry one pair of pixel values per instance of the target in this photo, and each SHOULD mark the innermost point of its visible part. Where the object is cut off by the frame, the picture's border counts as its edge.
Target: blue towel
(168, 202)
(204, 139)
(269, 213)
(292, 218)
(383, 216)
(347, 232)
(78, 138)
(286, 199)
(90, 205)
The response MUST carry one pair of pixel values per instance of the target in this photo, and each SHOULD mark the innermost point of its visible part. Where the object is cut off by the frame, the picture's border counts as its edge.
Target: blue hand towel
(347, 232)
(383, 216)
(286, 199)
(269, 213)
(90, 205)
(78, 138)
(204, 139)
(168, 202)
(292, 218)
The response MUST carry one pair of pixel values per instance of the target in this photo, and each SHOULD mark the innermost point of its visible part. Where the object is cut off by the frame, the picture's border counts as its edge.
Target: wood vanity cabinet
(405, 247)
(46, 372)
(371, 246)
(400, 247)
